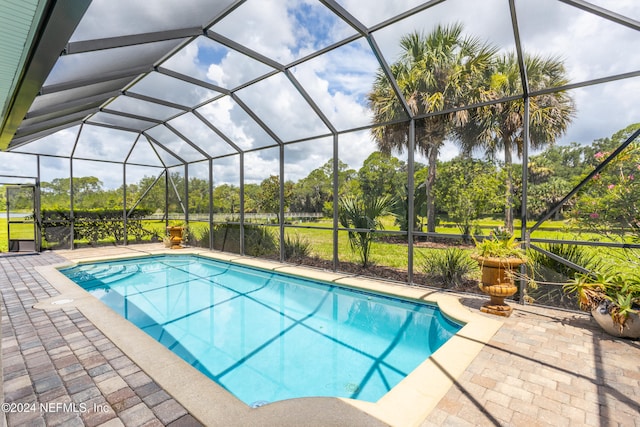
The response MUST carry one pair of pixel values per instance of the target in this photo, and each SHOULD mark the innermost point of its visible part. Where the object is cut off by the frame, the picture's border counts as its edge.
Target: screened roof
(177, 81)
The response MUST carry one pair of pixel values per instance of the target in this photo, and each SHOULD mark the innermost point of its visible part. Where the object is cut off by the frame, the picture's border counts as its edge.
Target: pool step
(105, 274)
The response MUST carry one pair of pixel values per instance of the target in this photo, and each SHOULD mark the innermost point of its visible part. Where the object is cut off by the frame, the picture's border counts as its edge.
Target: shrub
(451, 267)
(296, 247)
(200, 238)
(226, 237)
(259, 241)
(92, 225)
(576, 254)
(551, 272)
(357, 212)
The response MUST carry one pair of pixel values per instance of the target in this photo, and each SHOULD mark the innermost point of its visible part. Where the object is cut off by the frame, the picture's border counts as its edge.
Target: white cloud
(201, 135)
(301, 158)
(104, 144)
(230, 119)
(355, 147)
(259, 165)
(186, 61)
(110, 174)
(226, 171)
(488, 21)
(282, 108)
(216, 74)
(136, 173)
(590, 46)
(377, 11)
(17, 165)
(339, 82)
(603, 110)
(57, 144)
(263, 27)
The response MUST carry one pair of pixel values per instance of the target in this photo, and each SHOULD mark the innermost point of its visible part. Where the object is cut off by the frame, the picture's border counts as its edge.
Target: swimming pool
(266, 336)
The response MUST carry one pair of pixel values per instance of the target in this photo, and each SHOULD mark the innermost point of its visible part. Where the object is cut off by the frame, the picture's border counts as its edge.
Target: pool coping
(407, 404)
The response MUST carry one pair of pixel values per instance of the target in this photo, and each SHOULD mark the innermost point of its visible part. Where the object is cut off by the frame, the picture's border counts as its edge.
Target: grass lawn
(386, 253)
(18, 231)
(395, 254)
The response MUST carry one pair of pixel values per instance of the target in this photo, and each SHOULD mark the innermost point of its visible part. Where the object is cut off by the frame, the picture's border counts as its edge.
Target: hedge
(92, 225)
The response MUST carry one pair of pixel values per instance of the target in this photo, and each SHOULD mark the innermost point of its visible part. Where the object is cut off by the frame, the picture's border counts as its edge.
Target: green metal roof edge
(39, 7)
(56, 22)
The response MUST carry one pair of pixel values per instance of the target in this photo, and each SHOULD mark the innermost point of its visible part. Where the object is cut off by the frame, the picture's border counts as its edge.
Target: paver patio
(543, 367)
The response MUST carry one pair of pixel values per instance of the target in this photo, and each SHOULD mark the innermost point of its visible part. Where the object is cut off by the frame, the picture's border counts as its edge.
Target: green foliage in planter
(500, 244)
(620, 293)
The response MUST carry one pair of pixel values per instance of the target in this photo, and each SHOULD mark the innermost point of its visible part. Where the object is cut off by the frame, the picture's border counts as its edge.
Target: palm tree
(501, 126)
(436, 72)
(363, 213)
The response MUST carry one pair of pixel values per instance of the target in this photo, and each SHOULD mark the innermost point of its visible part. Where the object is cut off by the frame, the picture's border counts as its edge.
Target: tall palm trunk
(508, 164)
(429, 183)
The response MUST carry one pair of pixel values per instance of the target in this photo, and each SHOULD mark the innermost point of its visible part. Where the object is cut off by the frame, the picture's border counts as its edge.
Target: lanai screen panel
(178, 93)
(122, 122)
(590, 46)
(283, 31)
(78, 96)
(292, 119)
(142, 108)
(339, 82)
(226, 189)
(239, 127)
(117, 18)
(57, 144)
(198, 131)
(17, 165)
(172, 142)
(71, 68)
(96, 143)
(211, 62)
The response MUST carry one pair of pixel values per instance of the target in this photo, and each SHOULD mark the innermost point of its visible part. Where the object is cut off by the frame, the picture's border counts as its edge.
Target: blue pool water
(266, 336)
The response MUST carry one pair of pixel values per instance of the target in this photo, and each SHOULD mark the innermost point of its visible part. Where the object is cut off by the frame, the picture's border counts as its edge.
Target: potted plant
(499, 257)
(612, 299)
(175, 236)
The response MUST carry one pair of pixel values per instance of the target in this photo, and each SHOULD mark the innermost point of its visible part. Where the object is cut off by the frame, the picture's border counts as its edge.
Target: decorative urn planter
(175, 236)
(631, 328)
(497, 282)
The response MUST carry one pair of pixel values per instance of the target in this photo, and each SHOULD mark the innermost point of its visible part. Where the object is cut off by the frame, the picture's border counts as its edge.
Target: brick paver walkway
(64, 369)
(544, 367)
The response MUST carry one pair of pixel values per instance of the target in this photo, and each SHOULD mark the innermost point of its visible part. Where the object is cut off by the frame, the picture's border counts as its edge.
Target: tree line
(467, 190)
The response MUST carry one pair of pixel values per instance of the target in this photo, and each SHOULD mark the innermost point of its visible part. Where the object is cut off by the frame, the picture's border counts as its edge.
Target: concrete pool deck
(542, 367)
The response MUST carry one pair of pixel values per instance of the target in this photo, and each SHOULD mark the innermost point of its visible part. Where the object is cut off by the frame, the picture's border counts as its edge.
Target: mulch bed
(386, 273)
